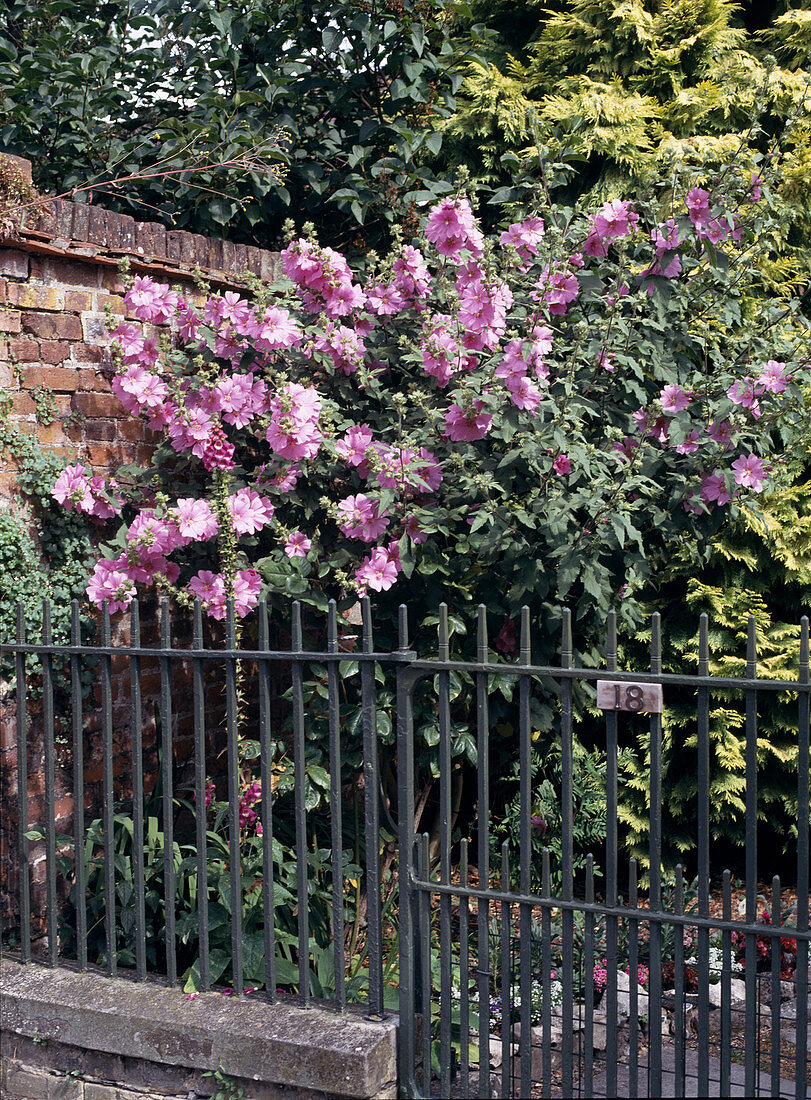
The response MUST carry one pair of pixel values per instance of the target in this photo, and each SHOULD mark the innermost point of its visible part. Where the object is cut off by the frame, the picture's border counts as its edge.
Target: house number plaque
(622, 695)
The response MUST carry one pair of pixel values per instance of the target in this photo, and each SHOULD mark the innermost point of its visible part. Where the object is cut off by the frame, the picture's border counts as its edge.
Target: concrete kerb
(341, 1055)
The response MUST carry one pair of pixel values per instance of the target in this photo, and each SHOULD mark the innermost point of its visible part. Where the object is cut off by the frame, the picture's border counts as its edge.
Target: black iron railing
(335, 892)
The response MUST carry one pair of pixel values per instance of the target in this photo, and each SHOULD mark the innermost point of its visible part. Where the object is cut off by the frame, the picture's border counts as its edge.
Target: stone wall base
(66, 1035)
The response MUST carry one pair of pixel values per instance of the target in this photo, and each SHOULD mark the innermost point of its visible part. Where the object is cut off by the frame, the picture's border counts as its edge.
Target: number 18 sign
(622, 695)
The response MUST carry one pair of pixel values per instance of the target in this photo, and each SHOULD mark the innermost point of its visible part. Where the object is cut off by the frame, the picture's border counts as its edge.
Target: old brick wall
(59, 284)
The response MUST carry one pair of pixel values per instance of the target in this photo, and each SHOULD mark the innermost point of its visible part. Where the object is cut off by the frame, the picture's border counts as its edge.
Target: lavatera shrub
(529, 418)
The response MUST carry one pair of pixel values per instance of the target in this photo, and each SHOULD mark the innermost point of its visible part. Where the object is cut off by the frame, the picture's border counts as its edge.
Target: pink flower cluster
(323, 279)
(294, 430)
(452, 229)
(613, 220)
(360, 518)
(707, 226)
(247, 800)
(524, 237)
(210, 589)
(518, 358)
(75, 488)
(272, 397)
(558, 288)
(378, 571)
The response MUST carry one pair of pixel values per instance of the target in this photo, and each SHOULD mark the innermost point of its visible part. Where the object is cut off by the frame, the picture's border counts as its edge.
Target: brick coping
(91, 234)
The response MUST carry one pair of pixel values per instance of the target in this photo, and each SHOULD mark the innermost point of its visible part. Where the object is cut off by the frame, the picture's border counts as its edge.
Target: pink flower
(378, 571)
(562, 465)
(111, 584)
(505, 640)
(297, 545)
(294, 430)
(239, 398)
(557, 288)
(414, 531)
(343, 346)
(353, 447)
(210, 590)
(147, 532)
(247, 586)
(249, 512)
(524, 394)
(675, 399)
(714, 488)
(275, 329)
(194, 519)
(698, 206)
(772, 378)
(524, 237)
(72, 488)
(412, 276)
(720, 431)
(615, 219)
(750, 472)
(151, 301)
(688, 444)
(467, 424)
(360, 518)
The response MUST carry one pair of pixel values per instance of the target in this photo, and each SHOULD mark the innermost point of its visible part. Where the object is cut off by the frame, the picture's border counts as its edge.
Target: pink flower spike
(562, 465)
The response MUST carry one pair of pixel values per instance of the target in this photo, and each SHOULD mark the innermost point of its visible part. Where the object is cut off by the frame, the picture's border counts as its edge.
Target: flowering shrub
(532, 417)
(600, 975)
(763, 949)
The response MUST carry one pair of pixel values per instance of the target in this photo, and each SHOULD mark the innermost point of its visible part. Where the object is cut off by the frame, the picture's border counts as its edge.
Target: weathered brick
(150, 239)
(13, 263)
(24, 350)
(21, 164)
(7, 379)
(51, 271)
(271, 268)
(49, 326)
(77, 300)
(22, 405)
(54, 352)
(3, 292)
(109, 301)
(52, 433)
(101, 430)
(112, 282)
(99, 226)
(135, 431)
(107, 454)
(65, 379)
(36, 297)
(62, 225)
(80, 228)
(98, 405)
(215, 256)
(241, 259)
(126, 226)
(93, 380)
(94, 328)
(254, 259)
(229, 257)
(9, 320)
(84, 354)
